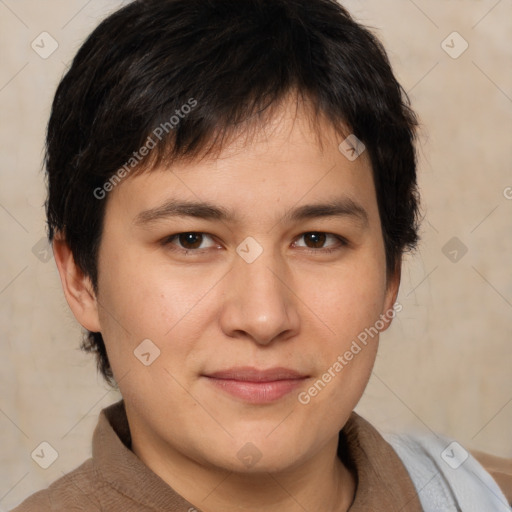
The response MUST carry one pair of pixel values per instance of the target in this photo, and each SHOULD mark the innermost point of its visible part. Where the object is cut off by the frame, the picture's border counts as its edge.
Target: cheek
(349, 304)
(345, 357)
(351, 300)
(141, 300)
(145, 297)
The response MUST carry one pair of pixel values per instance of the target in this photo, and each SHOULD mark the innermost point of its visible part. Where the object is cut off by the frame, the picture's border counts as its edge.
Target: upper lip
(250, 374)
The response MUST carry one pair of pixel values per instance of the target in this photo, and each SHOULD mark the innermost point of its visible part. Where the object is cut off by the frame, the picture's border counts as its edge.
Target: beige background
(445, 365)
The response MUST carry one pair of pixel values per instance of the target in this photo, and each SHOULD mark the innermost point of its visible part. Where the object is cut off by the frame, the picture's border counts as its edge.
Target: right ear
(77, 286)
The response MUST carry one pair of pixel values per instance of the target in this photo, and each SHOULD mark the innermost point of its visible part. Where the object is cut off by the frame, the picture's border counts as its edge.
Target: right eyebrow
(179, 208)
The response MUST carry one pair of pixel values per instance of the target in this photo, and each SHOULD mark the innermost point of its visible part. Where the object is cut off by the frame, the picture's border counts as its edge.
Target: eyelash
(167, 241)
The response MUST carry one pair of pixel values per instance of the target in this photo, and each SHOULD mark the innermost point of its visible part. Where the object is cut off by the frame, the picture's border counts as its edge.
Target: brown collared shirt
(115, 479)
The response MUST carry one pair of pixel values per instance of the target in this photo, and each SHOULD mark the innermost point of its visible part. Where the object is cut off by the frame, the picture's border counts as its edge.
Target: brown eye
(317, 239)
(190, 240)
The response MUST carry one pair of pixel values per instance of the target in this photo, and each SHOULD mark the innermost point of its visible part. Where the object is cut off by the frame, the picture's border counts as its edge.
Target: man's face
(259, 308)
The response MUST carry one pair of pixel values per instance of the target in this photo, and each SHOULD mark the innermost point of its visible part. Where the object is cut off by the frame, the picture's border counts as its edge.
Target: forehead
(289, 161)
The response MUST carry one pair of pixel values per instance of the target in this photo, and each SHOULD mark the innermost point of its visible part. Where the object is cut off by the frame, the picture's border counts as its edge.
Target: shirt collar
(382, 480)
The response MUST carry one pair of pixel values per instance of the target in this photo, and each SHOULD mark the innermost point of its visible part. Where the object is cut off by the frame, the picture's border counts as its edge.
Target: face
(248, 302)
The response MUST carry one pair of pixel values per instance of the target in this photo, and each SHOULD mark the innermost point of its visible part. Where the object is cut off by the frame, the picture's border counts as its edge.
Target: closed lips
(249, 374)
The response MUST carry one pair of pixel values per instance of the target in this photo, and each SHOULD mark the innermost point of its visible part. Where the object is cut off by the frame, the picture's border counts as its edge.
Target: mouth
(256, 386)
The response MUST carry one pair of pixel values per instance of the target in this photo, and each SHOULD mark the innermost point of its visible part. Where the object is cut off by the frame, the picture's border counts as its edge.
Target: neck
(320, 483)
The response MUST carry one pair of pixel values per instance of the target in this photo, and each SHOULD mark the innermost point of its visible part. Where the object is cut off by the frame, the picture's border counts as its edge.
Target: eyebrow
(339, 207)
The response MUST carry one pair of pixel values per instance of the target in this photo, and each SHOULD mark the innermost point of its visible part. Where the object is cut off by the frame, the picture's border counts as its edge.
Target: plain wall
(444, 365)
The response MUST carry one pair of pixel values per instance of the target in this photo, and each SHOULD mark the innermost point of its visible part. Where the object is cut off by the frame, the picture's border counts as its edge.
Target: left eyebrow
(340, 207)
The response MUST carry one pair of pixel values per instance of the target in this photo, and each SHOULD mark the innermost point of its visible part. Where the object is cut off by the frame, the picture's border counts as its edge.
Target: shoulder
(73, 492)
(499, 468)
(444, 472)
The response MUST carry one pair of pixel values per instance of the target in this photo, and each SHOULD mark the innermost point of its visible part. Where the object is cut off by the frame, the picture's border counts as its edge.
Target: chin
(260, 455)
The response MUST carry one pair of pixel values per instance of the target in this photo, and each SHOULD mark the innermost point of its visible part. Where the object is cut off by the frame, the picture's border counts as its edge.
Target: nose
(259, 301)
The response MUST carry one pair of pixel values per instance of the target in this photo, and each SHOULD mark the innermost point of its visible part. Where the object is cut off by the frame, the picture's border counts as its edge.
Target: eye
(189, 241)
(317, 240)
(192, 242)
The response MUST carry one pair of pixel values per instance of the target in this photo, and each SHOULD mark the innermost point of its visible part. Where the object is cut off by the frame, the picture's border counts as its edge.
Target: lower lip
(257, 392)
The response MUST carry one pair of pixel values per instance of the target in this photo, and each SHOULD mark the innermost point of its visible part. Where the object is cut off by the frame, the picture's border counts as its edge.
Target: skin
(295, 306)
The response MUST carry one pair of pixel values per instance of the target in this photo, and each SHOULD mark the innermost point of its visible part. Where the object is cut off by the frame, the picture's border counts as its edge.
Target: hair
(232, 62)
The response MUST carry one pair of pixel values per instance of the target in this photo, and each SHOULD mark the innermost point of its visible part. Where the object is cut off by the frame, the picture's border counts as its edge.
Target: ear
(392, 287)
(77, 286)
